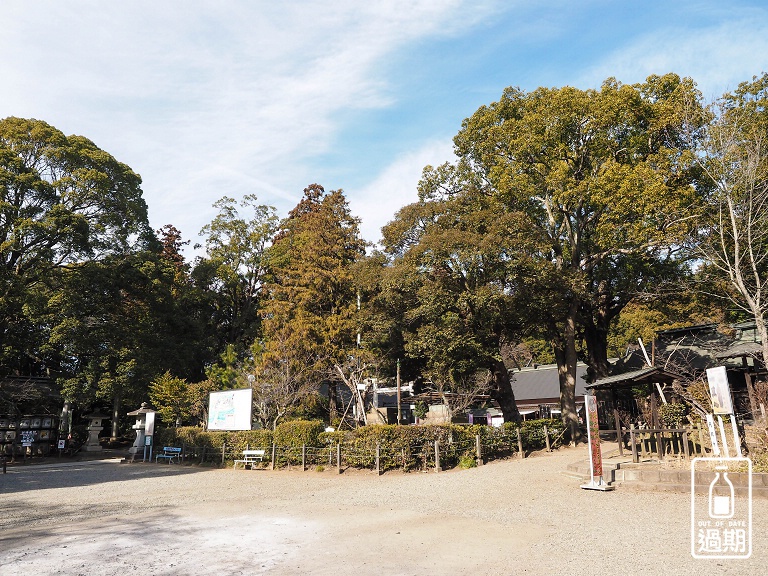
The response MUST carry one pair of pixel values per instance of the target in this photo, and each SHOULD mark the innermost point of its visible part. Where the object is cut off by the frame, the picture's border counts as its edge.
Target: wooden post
(274, 450)
(378, 459)
(183, 451)
(202, 455)
(619, 439)
(701, 439)
(520, 452)
(642, 444)
(338, 456)
(223, 451)
(399, 400)
(685, 445)
(437, 456)
(654, 411)
(478, 450)
(632, 443)
(546, 438)
(303, 457)
(660, 444)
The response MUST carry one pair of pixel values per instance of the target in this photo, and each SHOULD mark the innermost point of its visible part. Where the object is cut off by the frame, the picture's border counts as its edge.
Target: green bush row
(400, 447)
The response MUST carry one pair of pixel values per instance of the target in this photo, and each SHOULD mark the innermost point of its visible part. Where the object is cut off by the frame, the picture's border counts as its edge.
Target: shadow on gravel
(23, 479)
(44, 520)
(48, 521)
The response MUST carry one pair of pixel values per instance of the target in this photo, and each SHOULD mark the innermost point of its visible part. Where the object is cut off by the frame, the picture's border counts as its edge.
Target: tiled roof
(635, 376)
(740, 349)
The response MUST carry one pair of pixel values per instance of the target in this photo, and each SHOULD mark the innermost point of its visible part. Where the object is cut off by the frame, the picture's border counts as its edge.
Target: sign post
(721, 517)
(149, 432)
(722, 403)
(595, 456)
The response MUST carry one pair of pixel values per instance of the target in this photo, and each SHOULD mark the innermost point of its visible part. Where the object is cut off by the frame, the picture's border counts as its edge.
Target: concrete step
(652, 476)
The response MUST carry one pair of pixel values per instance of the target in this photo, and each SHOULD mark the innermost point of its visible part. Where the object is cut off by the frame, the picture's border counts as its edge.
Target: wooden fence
(380, 457)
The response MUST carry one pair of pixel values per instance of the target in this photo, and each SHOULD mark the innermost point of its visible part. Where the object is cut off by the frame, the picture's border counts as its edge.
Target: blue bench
(169, 453)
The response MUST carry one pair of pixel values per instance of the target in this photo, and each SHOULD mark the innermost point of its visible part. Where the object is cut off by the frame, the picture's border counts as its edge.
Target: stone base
(89, 448)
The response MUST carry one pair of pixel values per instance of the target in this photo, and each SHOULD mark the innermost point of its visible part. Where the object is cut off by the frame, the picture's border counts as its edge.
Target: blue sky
(207, 99)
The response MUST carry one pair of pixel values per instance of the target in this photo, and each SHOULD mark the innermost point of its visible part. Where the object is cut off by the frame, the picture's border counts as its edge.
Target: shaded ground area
(512, 517)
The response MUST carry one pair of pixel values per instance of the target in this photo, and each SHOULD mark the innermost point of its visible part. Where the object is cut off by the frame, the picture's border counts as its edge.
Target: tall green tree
(231, 273)
(114, 329)
(312, 304)
(470, 268)
(62, 200)
(606, 176)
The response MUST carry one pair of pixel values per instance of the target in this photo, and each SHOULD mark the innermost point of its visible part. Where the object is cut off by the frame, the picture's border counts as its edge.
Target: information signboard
(230, 410)
(27, 437)
(719, 390)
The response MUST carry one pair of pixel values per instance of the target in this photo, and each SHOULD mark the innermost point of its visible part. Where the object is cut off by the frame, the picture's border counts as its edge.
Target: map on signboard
(230, 410)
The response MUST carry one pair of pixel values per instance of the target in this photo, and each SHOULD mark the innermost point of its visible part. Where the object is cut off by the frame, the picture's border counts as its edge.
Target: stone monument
(94, 427)
(140, 427)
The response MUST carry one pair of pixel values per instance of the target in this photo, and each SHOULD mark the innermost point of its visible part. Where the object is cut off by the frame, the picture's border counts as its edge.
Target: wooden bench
(169, 453)
(250, 457)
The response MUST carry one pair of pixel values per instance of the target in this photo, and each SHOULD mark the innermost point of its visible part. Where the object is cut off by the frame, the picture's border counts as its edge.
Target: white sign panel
(230, 410)
(719, 390)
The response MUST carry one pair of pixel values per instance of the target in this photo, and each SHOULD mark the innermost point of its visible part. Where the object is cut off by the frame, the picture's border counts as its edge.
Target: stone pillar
(94, 427)
(139, 427)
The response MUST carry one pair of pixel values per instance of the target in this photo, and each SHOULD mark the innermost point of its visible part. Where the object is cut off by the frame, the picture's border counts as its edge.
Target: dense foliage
(565, 230)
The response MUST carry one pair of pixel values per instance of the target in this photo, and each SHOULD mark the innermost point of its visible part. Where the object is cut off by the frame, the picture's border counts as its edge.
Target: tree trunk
(333, 401)
(116, 406)
(762, 332)
(596, 336)
(566, 357)
(503, 394)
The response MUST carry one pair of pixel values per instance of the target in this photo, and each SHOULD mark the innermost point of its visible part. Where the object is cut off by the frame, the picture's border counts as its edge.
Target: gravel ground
(512, 517)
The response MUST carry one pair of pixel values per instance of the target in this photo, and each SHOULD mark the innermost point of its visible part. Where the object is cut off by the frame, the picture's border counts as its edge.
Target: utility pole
(399, 414)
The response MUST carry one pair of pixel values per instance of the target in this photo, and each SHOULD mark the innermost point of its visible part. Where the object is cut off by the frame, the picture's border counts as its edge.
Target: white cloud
(396, 186)
(717, 57)
(206, 99)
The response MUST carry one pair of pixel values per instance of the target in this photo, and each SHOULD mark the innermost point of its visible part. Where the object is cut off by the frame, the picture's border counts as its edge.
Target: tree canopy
(606, 178)
(62, 201)
(565, 223)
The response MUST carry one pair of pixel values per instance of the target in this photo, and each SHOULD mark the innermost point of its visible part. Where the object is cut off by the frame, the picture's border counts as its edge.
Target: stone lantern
(94, 427)
(140, 427)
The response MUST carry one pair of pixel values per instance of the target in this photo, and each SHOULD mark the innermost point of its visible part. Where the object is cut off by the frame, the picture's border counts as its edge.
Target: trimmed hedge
(297, 433)
(192, 436)
(400, 447)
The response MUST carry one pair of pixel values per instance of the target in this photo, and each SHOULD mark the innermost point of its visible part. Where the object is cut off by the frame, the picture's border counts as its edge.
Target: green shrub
(401, 447)
(467, 461)
(672, 414)
(195, 439)
(297, 433)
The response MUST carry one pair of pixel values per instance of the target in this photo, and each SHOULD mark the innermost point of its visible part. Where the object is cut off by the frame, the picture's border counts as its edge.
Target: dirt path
(515, 517)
